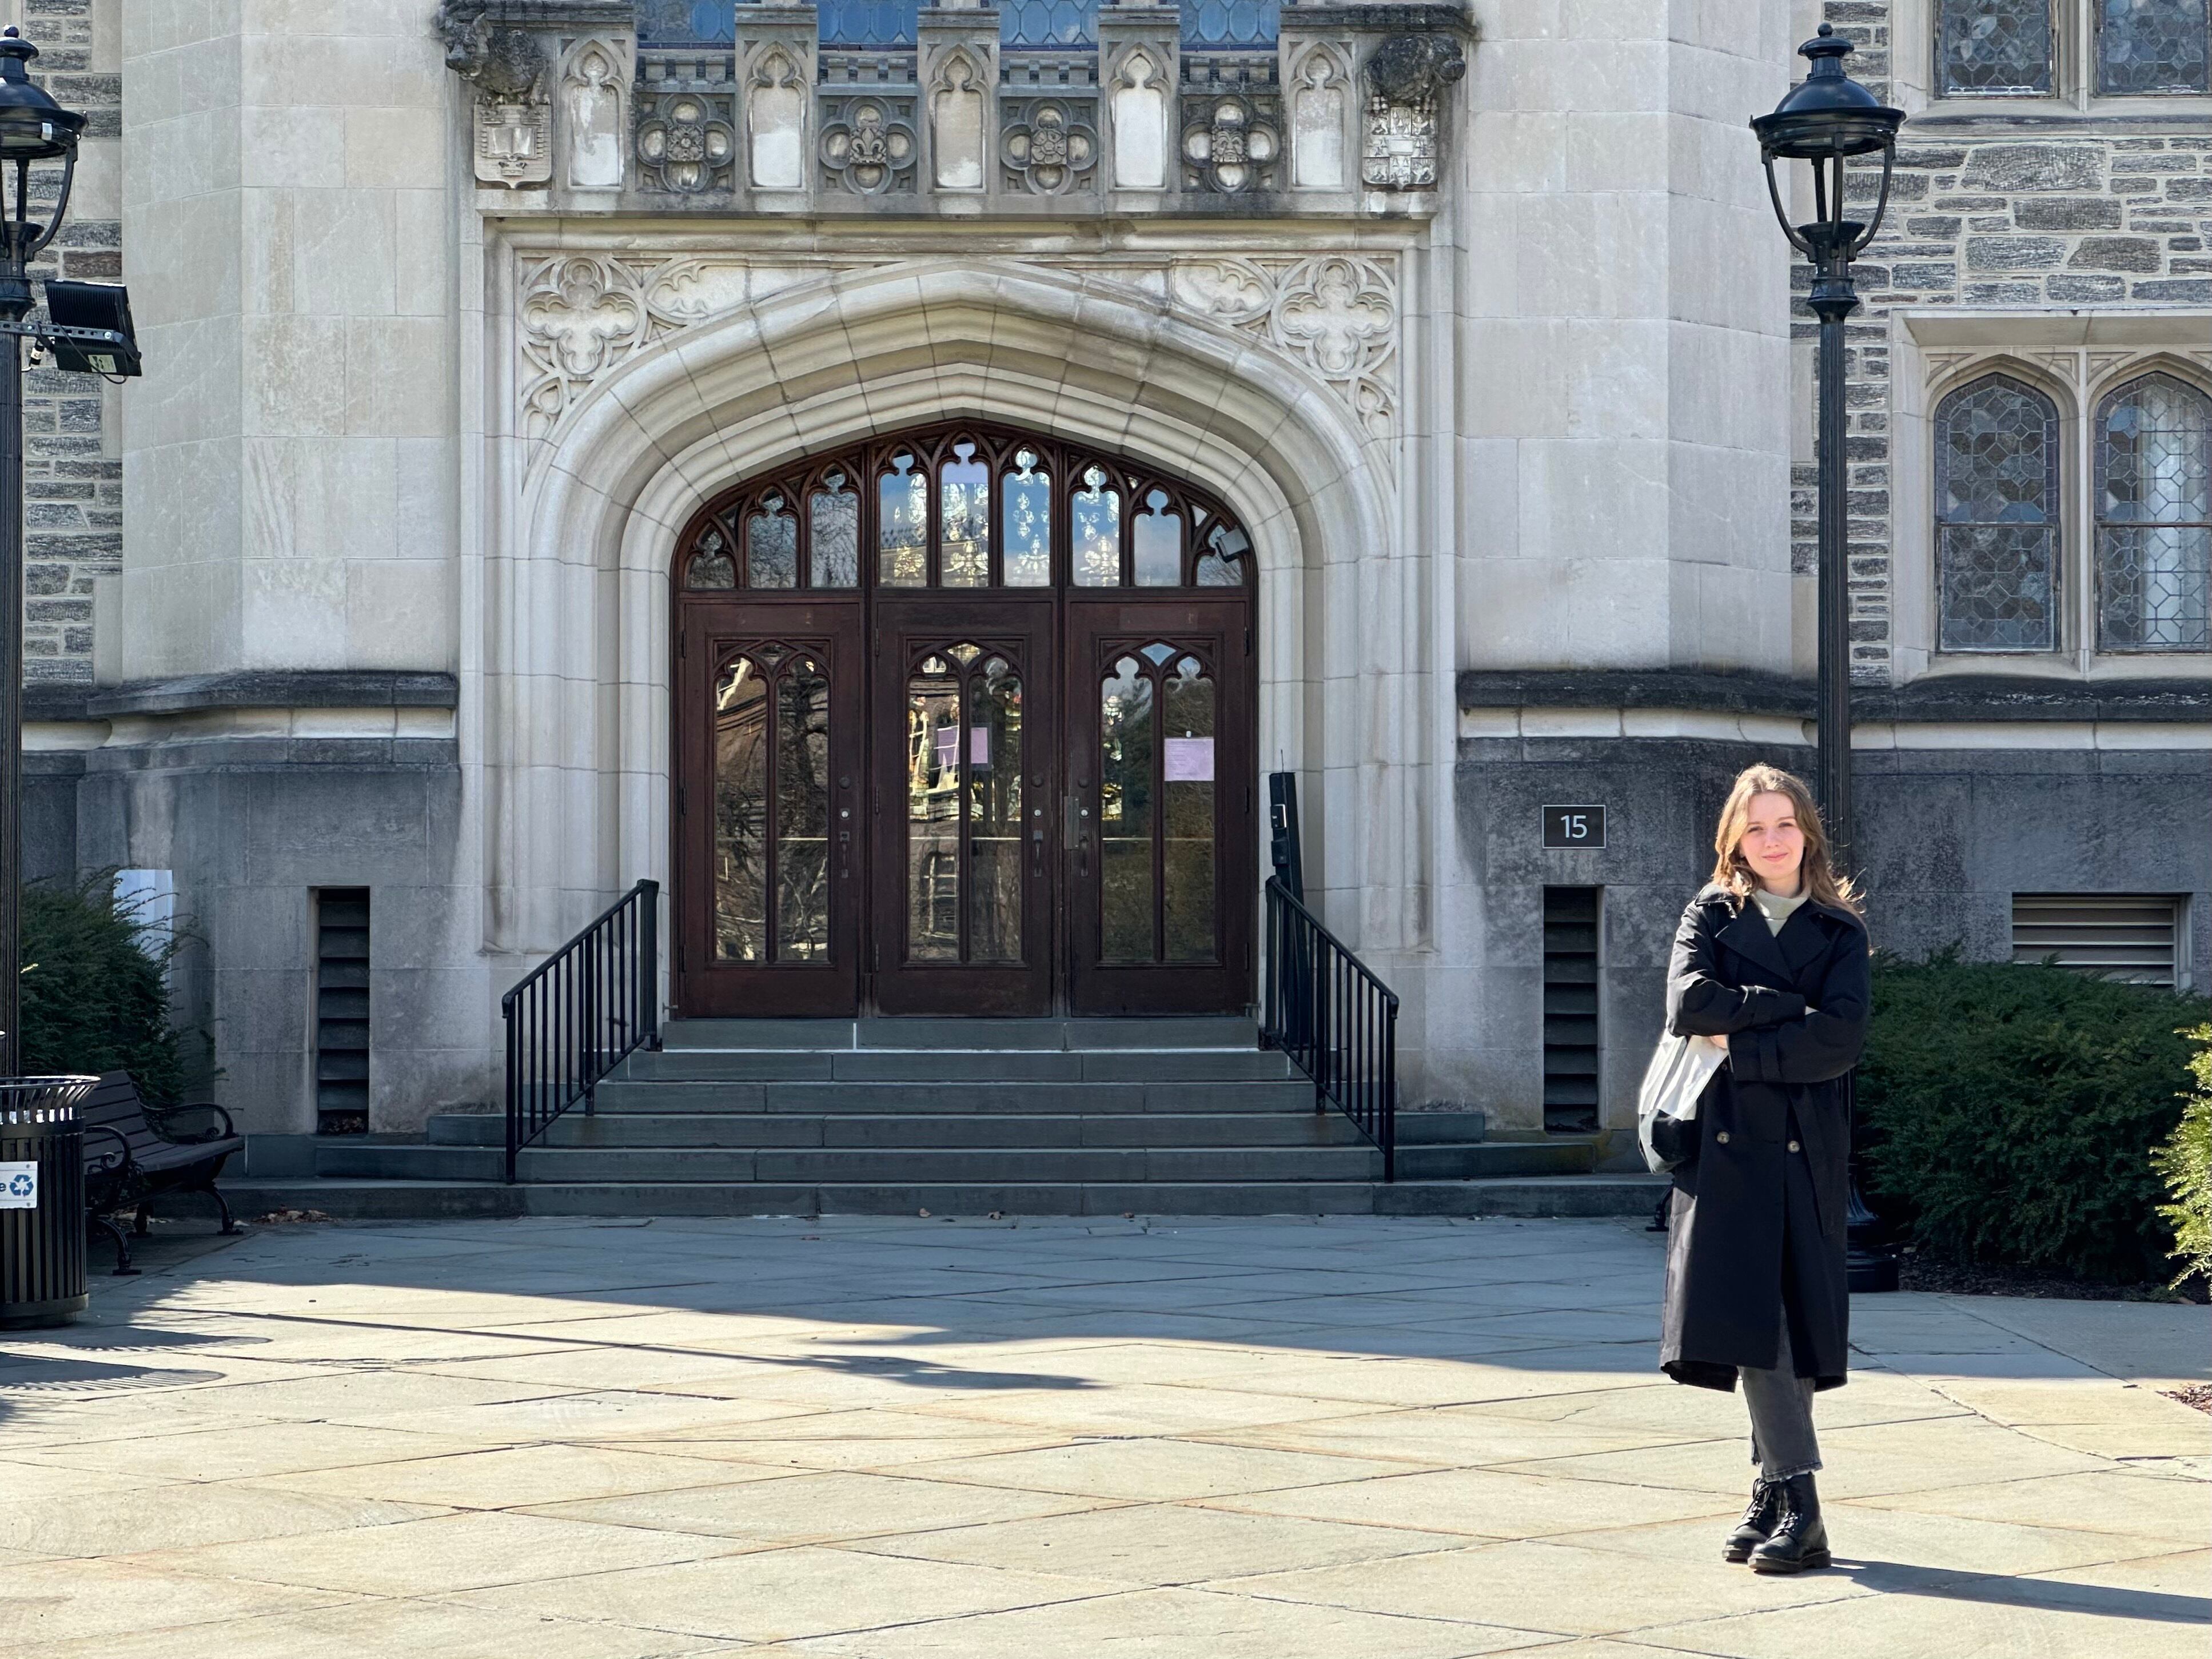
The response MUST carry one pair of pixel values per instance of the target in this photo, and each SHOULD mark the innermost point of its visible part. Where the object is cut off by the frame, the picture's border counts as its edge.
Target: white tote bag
(1680, 1068)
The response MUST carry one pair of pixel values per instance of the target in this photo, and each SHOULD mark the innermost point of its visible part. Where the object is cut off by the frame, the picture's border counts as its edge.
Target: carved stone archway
(571, 700)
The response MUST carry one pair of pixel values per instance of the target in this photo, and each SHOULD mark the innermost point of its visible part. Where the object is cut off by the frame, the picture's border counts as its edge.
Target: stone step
(1625, 1195)
(930, 1129)
(912, 1098)
(1185, 1032)
(1331, 1150)
(847, 1165)
(958, 1065)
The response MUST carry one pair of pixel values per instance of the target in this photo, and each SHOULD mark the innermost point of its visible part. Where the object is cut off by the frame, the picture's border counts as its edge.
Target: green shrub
(2010, 1112)
(2185, 1163)
(93, 994)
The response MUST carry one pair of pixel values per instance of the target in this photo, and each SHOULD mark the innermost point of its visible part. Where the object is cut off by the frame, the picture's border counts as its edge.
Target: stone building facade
(532, 382)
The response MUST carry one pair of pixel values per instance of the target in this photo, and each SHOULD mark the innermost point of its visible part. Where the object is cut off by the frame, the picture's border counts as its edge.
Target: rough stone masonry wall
(1987, 218)
(72, 466)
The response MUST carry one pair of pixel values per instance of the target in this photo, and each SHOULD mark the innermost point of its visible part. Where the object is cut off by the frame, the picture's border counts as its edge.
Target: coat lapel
(1802, 940)
(1747, 936)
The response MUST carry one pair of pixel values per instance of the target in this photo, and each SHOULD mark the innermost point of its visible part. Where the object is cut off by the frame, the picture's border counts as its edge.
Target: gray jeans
(1781, 1401)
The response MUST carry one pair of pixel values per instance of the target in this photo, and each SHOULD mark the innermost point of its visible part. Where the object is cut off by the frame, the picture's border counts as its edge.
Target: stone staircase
(1185, 1116)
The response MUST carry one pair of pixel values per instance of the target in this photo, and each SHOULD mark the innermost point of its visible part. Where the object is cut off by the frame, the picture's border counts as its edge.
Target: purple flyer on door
(1190, 760)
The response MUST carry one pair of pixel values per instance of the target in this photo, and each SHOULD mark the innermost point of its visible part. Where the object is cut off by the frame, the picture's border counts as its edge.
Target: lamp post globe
(33, 128)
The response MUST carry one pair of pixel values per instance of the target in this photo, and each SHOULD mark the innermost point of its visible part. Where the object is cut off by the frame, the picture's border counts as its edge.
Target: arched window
(2153, 502)
(1996, 518)
(1993, 46)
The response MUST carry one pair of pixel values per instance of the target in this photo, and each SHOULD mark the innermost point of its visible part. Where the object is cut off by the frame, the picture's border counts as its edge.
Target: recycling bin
(41, 1200)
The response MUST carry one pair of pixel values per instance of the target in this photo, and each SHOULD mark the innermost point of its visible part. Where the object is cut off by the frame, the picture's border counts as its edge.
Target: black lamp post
(33, 128)
(1825, 120)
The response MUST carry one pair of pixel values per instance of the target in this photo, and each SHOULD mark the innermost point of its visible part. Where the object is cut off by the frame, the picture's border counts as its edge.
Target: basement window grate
(342, 1011)
(2114, 935)
(1571, 1032)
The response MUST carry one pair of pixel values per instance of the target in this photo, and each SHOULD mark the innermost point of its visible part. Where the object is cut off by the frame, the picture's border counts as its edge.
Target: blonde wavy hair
(1821, 880)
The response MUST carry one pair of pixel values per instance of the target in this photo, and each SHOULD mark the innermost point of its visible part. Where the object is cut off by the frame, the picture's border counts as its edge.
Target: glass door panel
(768, 809)
(962, 916)
(1160, 892)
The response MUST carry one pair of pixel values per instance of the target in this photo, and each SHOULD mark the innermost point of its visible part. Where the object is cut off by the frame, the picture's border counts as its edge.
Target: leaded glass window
(866, 22)
(1229, 23)
(1993, 46)
(2154, 516)
(2154, 46)
(684, 23)
(1047, 22)
(1996, 518)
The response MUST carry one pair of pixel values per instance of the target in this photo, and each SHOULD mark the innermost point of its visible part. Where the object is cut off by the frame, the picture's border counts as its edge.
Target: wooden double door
(996, 803)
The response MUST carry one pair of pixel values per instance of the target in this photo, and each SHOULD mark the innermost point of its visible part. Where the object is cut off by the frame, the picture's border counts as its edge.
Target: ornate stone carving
(580, 315)
(595, 111)
(512, 114)
(1140, 107)
(1405, 79)
(1049, 147)
(775, 120)
(1319, 98)
(685, 143)
(868, 145)
(1229, 144)
(959, 123)
(1336, 314)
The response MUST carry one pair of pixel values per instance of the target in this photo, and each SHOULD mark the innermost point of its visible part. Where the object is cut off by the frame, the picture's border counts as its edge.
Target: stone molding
(553, 83)
(298, 687)
(1945, 698)
(582, 314)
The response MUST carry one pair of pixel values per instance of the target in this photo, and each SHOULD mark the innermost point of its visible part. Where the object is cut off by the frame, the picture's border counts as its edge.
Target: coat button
(1793, 1145)
(1722, 1136)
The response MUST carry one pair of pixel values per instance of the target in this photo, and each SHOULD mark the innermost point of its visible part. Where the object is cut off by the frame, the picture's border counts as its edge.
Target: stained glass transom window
(2154, 516)
(1996, 518)
(1994, 45)
(2154, 46)
(966, 507)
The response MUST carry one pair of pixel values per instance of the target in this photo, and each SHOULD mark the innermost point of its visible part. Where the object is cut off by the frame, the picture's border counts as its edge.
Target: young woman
(1770, 963)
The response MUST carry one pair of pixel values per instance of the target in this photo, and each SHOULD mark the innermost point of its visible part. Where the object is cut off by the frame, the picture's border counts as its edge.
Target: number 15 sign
(1574, 827)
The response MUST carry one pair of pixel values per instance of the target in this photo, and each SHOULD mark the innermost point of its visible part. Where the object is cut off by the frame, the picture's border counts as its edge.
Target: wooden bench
(135, 1153)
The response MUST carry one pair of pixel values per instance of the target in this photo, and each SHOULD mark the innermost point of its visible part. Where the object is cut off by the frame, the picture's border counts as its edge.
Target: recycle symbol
(19, 1186)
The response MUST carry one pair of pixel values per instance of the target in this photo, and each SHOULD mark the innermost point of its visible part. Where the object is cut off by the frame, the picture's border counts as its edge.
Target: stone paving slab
(902, 1438)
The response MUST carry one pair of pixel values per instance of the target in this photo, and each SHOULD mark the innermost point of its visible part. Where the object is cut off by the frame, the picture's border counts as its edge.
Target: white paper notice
(1190, 760)
(19, 1186)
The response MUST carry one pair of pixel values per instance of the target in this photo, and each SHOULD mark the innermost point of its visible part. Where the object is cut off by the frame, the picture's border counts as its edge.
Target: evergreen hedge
(2010, 1114)
(93, 995)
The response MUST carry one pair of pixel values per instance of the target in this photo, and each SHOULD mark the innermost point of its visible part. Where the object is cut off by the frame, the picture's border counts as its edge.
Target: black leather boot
(1801, 1537)
(1757, 1523)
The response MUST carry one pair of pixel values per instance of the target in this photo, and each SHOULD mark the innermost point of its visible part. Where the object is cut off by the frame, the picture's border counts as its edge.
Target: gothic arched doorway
(963, 723)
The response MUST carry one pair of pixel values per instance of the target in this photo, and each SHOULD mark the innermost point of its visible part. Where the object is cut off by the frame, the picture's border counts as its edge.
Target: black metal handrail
(580, 1014)
(1337, 1023)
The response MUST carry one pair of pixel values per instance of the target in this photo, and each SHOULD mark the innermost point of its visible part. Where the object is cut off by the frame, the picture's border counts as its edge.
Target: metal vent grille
(342, 1011)
(2119, 936)
(1570, 1040)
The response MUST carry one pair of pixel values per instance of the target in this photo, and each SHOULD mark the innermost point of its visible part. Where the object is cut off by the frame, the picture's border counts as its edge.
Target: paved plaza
(912, 1438)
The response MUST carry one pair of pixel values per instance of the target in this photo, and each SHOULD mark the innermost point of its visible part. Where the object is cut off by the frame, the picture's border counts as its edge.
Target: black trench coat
(1756, 1226)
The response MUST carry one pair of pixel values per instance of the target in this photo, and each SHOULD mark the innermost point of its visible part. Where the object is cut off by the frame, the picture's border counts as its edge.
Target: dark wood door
(964, 815)
(1161, 833)
(770, 793)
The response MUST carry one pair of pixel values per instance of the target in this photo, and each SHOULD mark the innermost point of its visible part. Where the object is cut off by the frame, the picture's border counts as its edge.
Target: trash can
(41, 1200)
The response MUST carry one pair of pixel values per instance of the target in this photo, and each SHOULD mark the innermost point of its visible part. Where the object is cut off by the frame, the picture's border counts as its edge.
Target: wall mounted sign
(1574, 827)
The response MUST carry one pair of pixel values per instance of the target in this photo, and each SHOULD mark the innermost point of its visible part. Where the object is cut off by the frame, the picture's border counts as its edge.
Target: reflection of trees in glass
(771, 808)
(965, 808)
(902, 524)
(834, 541)
(741, 767)
(965, 519)
(1126, 741)
(1097, 519)
(1025, 513)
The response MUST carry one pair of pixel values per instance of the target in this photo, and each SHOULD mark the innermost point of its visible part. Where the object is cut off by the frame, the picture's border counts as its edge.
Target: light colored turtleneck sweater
(1776, 908)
